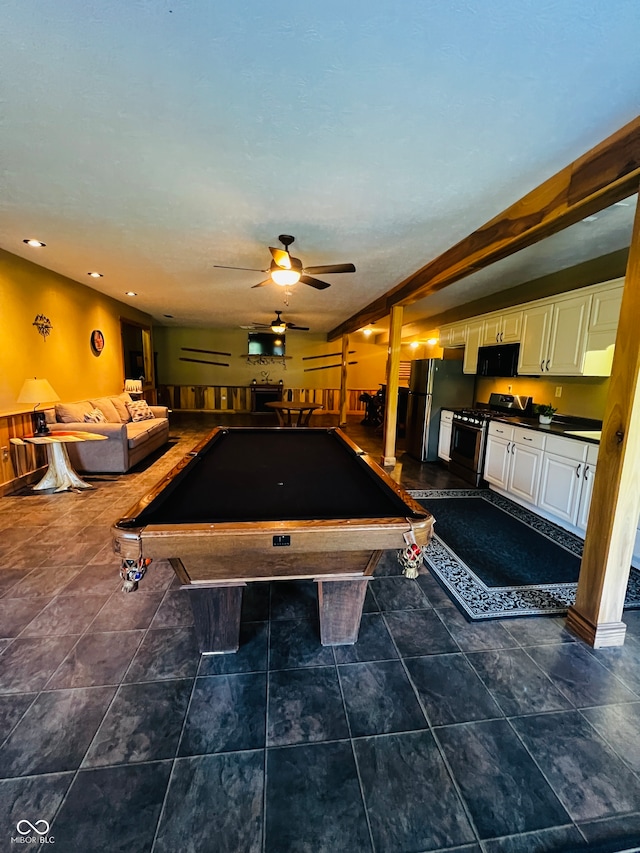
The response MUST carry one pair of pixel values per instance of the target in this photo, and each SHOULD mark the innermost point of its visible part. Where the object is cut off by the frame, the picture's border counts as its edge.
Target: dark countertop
(559, 425)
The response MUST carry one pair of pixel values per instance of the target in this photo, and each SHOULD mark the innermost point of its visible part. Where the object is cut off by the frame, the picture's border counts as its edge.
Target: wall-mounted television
(266, 343)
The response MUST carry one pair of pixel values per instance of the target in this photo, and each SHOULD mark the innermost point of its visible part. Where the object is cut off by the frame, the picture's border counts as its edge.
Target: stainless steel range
(469, 433)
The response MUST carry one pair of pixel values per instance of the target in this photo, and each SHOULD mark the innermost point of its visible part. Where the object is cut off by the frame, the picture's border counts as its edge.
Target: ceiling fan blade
(281, 258)
(330, 268)
(249, 269)
(314, 282)
(261, 283)
(297, 328)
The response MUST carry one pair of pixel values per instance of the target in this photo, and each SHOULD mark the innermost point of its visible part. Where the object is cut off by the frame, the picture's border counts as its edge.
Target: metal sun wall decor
(43, 325)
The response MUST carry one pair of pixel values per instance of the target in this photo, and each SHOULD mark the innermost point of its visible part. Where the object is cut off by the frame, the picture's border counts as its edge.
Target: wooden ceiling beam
(607, 173)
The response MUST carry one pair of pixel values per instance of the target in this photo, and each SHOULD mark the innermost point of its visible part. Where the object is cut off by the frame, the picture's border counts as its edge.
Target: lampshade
(133, 386)
(37, 392)
(278, 328)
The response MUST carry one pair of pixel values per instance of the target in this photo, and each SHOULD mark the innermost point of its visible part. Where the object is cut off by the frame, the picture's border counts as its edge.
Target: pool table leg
(216, 615)
(340, 606)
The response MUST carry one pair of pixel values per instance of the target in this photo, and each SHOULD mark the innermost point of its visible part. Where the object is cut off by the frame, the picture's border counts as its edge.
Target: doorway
(138, 358)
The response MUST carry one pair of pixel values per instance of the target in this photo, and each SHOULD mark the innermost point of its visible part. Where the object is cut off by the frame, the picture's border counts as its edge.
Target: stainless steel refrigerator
(434, 384)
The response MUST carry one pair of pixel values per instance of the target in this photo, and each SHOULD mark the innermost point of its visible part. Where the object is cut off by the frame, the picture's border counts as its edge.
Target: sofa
(133, 430)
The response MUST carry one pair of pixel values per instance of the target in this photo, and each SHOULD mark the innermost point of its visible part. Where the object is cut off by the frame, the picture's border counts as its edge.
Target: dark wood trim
(607, 173)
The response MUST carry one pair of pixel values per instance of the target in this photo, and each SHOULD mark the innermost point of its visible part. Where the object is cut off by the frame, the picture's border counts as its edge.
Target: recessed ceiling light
(35, 244)
(130, 293)
(95, 274)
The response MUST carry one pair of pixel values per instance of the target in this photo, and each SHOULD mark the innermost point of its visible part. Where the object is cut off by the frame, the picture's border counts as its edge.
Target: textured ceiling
(152, 140)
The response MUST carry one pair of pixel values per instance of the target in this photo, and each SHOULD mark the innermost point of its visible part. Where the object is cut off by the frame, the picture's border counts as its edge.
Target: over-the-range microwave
(501, 360)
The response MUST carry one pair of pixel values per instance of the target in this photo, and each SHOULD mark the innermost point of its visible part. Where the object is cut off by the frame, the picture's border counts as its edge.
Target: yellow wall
(169, 343)
(65, 357)
(582, 397)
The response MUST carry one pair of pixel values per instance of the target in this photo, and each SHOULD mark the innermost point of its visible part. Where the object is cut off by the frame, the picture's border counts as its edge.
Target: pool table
(252, 504)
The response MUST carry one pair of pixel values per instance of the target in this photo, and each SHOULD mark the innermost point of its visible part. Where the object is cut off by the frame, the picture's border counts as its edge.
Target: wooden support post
(596, 616)
(391, 401)
(343, 380)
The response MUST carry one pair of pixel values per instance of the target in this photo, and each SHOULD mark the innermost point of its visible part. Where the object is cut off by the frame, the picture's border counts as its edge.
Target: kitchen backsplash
(580, 397)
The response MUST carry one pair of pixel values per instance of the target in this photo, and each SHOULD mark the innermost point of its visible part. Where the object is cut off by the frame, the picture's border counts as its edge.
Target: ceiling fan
(277, 326)
(286, 270)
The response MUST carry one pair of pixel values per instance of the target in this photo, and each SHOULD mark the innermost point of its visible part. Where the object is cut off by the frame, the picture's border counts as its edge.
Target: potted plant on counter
(545, 412)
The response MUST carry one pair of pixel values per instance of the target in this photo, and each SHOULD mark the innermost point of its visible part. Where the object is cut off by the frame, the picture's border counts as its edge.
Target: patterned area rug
(525, 566)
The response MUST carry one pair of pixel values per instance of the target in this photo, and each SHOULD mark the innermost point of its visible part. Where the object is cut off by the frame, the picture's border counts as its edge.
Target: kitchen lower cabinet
(498, 454)
(588, 476)
(550, 474)
(562, 477)
(513, 460)
(444, 437)
(526, 465)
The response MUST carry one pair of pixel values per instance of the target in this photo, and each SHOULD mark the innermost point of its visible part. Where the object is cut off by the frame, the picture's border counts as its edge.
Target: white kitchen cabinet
(588, 476)
(513, 460)
(454, 335)
(502, 328)
(497, 454)
(473, 341)
(554, 336)
(444, 437)
(562, 476)
(526, 464)
(603, 325)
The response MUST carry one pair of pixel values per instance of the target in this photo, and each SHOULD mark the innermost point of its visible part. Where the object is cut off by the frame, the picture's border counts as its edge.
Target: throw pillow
(95, 417)
(121, 409)
(140, 411)
(72, 413)
(107, 408)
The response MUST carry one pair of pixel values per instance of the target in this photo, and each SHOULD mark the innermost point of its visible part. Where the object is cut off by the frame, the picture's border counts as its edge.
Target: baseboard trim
(602, 636)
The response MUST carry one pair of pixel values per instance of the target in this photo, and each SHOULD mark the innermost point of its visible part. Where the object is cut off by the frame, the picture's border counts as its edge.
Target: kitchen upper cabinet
(454, 335)
(474, 338)
(603, 325)
(554, 336)
(501, 328)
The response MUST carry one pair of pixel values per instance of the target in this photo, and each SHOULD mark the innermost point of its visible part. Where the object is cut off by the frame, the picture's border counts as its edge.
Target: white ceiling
(152, 140)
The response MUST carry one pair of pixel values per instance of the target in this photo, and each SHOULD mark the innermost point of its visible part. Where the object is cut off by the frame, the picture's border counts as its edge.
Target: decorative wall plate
(97, 341)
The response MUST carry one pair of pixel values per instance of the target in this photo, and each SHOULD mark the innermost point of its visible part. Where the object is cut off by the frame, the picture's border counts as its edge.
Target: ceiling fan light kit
(286, 270)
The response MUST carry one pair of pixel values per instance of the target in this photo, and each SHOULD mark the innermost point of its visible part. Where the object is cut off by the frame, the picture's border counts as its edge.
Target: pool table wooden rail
(215, 560)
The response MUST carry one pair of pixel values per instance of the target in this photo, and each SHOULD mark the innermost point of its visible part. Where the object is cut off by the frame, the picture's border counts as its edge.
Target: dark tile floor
(430, 734)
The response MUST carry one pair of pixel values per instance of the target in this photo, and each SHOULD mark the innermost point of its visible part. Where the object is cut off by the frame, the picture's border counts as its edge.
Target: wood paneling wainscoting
(237, 398)
(19, 463)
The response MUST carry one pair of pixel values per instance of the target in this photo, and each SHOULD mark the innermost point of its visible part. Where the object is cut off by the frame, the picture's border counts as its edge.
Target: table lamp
(38, 392)
(133, 387)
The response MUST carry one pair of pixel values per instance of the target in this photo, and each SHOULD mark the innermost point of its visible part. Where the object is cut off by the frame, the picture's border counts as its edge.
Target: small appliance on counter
(434, 384)
(469, 433)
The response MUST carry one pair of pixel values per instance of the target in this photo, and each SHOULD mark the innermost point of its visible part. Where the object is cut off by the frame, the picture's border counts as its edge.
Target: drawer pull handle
(578, 470)
(524, 438)
(586, 472)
